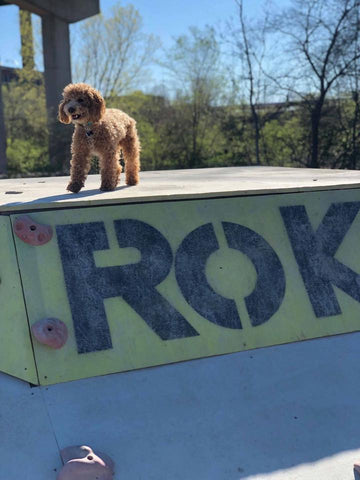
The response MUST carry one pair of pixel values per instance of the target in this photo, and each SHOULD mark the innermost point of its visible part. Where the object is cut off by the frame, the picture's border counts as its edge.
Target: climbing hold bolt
(81, 462)
(32, 232)
(51, 332)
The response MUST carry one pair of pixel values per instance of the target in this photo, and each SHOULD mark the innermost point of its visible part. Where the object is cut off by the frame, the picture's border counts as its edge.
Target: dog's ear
(62, 115)
(97, 106)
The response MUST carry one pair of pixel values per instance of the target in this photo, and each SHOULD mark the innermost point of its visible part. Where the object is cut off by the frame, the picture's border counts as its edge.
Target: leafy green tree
(285, 141)
(3, 158)
(26, 125)
(194, 66)
(151, 114)
(25, 110)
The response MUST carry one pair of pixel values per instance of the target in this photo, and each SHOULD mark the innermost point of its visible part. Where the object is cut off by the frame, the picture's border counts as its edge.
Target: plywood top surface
(26, 194)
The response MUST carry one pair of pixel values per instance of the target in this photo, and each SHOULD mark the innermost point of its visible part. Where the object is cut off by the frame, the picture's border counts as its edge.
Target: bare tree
(248, 41)
(114, 53)
(354, 78)
(321, 47)
(244, 49)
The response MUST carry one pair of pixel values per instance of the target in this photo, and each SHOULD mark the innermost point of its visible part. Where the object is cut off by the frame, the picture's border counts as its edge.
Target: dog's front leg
(80, 165)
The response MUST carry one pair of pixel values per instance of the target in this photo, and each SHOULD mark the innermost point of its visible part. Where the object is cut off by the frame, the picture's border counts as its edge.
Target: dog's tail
(131, 151)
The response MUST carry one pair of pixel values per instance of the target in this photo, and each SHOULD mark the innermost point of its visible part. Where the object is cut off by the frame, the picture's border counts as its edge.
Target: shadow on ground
(84, 194)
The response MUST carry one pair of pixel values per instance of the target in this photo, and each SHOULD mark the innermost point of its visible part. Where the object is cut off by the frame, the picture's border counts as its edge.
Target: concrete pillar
(3, 159)
(56, 48)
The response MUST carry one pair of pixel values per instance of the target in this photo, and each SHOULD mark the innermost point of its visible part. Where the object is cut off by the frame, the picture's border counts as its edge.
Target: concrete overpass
(55, 18)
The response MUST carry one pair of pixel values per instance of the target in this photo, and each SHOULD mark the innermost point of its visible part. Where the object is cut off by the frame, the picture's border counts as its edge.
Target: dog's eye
(80, 100)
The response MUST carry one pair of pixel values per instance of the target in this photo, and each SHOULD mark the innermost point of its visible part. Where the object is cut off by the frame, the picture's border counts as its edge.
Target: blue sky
(164, 18)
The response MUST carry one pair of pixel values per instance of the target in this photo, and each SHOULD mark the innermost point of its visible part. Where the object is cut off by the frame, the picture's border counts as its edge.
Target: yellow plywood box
(155, 283)
(16, 355)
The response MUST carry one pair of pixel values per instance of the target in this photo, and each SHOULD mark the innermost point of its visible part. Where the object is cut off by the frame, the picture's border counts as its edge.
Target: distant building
(9, 74)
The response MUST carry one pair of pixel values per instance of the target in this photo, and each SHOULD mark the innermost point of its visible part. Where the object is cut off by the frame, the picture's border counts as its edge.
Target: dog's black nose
(71, 110)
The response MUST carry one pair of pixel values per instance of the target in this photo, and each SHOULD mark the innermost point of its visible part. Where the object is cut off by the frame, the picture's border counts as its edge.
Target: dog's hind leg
(110, 169)
(131, 150)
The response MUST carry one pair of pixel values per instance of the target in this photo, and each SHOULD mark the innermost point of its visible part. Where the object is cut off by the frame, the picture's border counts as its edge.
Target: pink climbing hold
(32, 232)
(51, 332)
(82, 463)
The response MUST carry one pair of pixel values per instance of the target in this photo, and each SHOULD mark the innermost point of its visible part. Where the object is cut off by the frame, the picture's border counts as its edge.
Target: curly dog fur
(99, 131)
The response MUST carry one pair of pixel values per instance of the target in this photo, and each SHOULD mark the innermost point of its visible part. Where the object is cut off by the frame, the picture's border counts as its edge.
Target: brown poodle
(101, 132)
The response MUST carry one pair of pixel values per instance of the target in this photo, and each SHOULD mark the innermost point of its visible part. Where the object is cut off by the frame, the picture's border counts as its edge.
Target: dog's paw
(74, 187)
(132, 181)
(107, 187)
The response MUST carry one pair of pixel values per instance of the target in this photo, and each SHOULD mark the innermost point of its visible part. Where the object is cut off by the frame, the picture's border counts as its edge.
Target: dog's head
(81, 104)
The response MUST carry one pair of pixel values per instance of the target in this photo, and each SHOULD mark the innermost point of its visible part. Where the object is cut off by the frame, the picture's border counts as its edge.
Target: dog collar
(88, 130)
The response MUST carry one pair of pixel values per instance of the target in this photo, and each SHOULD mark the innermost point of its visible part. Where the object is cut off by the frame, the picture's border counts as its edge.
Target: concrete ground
(285, 412)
